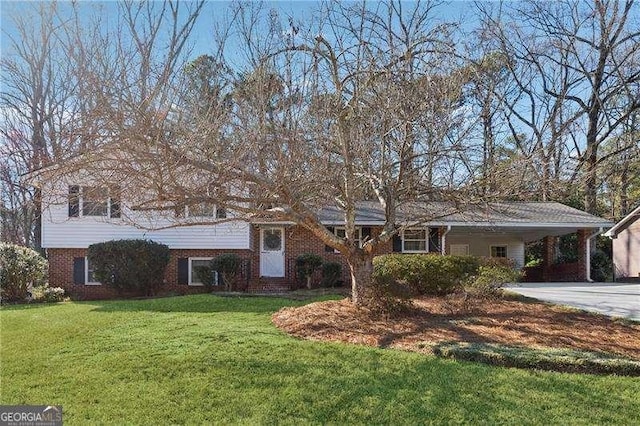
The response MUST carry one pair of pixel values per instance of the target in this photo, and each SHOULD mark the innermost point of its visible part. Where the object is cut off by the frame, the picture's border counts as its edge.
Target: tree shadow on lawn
(201, 303)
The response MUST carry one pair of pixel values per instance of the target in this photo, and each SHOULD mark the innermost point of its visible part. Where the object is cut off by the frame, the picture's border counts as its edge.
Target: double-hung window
(205, 210)
(415, 240)
(94, 201)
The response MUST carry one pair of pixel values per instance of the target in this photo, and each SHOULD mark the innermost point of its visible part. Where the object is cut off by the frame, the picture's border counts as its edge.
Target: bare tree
(364, 104)
(573, 63)
(36, 102)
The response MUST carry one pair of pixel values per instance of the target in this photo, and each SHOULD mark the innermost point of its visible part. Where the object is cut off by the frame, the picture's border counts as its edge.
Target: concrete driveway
(613, 299)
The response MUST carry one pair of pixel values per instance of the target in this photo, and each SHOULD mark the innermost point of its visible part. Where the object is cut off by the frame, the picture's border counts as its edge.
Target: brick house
(76, 216)
(626, 247)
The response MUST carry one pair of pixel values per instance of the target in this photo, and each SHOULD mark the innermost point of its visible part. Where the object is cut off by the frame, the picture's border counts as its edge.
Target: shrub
(206, 274)
(47, 294)
(489, 280)
(601, 266)
(425, 274)
(306, 265)
(21, 269)
(130, 265)
(228, 267)
(331, 274)
(389, 297)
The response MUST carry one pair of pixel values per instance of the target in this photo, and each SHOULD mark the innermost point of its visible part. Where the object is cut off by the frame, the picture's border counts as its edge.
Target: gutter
(588, 253)
(443, 240)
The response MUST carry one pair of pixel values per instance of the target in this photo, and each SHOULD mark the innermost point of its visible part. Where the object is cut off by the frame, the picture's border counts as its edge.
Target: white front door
(272, 252)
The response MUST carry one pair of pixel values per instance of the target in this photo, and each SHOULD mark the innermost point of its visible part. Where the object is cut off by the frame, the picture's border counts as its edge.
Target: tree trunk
(361, 268)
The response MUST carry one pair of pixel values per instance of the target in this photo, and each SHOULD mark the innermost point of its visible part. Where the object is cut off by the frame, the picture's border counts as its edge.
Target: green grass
(203, 359)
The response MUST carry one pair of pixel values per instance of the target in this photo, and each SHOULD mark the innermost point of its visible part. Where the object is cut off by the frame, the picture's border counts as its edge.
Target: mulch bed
(436, 319)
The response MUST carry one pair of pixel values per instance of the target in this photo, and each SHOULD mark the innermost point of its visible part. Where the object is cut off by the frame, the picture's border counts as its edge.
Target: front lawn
(201, 359)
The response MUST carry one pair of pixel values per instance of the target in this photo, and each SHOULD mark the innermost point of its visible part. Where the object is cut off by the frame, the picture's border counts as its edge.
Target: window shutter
(74, 200)
(366, 233)
(434, 240)
(327, 248)
(183, 271)
(114, 194)
(78, 270)
(397, 244)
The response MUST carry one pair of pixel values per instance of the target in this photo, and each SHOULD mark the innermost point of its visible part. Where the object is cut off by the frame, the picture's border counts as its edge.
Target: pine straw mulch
(435, 320)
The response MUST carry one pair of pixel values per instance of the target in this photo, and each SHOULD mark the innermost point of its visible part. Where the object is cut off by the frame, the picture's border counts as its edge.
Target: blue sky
(300, 10)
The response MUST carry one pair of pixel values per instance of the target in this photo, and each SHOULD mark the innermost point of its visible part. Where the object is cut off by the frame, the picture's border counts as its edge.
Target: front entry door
(271, 252)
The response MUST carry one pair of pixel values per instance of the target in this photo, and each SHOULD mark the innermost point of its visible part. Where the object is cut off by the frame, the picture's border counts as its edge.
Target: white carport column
(443, 240)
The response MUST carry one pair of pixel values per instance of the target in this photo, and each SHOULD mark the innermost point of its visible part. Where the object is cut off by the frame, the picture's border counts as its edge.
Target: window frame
(506, 250)
(215, 214)
(81, 201)
(426, 240)
(86, 273)
(342, 228)
(190, 270)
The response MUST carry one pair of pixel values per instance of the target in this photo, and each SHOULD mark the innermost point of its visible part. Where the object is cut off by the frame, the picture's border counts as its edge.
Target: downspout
(588, 253)
(443, 241)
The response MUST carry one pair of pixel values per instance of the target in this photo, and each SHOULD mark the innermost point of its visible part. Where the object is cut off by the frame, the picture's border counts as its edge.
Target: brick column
(548, 256)
(583, 234)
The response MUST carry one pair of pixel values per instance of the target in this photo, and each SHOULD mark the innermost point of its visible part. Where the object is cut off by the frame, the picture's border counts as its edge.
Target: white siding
(480, 245)
(61, 231)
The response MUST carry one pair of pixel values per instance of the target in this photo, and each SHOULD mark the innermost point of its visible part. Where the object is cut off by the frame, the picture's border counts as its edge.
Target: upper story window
(97, 201)
(415, 240)
(208, 210)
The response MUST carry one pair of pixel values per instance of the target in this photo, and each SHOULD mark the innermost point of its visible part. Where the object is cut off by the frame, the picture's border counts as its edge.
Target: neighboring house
(626, 247)
(76, 216)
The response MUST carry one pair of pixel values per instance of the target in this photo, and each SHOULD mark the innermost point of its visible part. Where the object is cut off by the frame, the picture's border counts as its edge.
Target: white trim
(426, 240)
(613, 232)
(86, 273)
(190, 268)
(506, 250)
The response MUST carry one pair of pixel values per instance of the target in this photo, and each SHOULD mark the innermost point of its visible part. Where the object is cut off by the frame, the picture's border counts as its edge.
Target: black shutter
(115, 202)
(183, 271)
(78, 270)
(327, 248)
(397, 243)
(366, 233)
(434, 240)
(74, 200)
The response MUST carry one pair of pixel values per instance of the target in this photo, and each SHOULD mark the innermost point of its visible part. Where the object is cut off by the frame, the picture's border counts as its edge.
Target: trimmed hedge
(135, 266)
(21, 269)
(405, 275)
(563, 360)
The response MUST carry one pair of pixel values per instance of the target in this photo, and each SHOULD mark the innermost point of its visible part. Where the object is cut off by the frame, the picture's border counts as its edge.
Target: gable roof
(624, 222)
(441, 213)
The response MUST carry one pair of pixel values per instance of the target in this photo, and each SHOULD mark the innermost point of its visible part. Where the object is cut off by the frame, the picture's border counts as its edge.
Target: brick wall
(297, 241)
(61, 273)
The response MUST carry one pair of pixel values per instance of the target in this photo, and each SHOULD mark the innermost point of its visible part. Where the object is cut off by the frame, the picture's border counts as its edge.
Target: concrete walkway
(613, 299)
